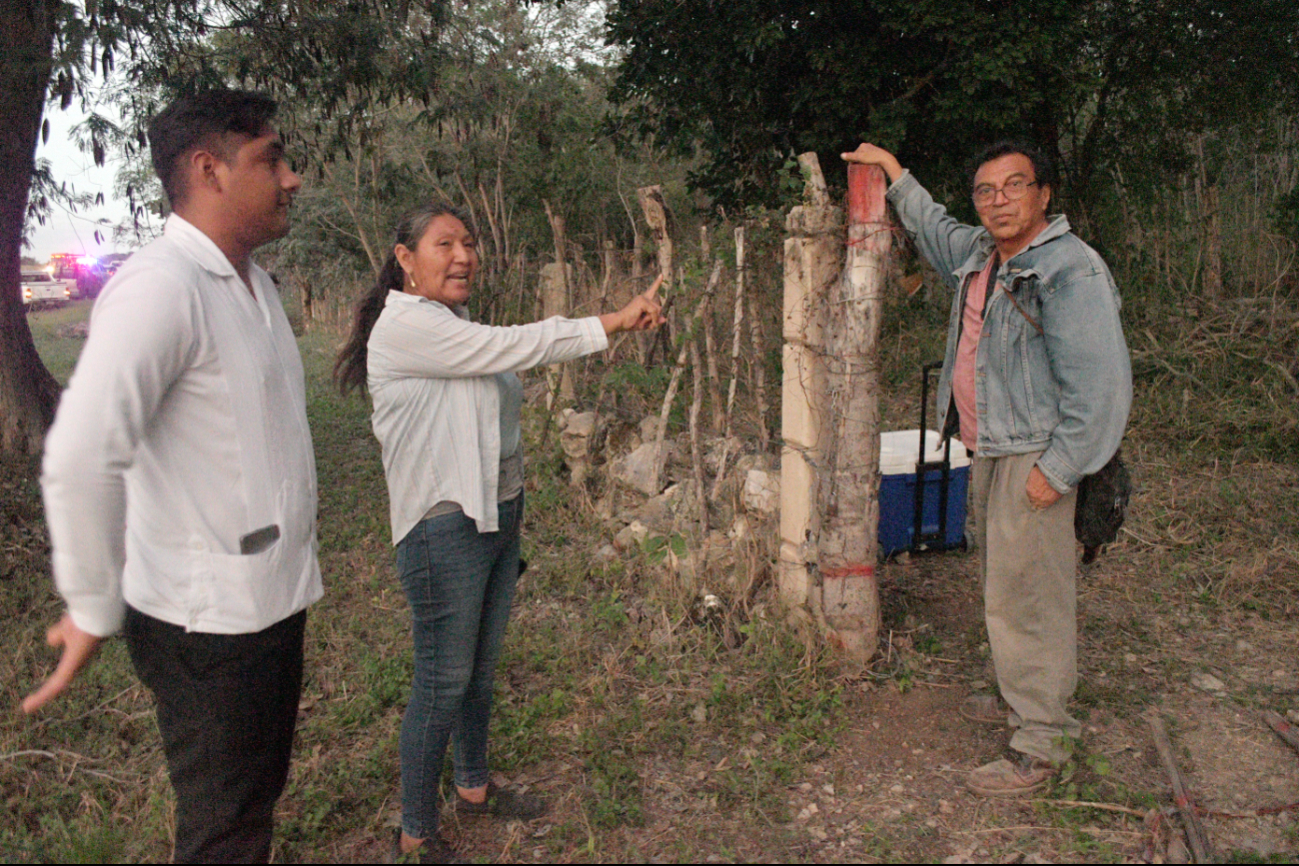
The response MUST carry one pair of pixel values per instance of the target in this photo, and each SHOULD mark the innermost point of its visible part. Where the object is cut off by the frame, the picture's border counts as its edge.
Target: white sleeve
(424, 340)
(142, 338)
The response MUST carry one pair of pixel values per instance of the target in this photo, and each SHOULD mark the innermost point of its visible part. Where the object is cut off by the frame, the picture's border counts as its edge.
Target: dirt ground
(1191, 617)
(891, 788)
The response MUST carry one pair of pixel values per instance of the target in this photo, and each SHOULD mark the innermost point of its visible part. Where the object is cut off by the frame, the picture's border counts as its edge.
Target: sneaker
(434, 850)
(508, 803)
(985, 710)
(1022, 774)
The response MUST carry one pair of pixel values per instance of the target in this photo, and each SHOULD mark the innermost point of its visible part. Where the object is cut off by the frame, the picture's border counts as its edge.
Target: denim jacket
(1052, 371)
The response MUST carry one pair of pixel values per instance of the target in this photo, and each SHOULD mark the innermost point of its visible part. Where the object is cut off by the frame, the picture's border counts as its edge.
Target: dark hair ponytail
(350, 366)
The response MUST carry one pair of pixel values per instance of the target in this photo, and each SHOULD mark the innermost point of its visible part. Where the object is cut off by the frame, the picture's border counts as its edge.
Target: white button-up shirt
(432, 376)
(183, 429)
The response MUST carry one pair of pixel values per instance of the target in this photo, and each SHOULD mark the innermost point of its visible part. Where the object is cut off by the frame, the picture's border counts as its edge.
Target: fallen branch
(1104, 807)
(29, 753)
(1024, 828)
(1284, 729)
(1201, 850)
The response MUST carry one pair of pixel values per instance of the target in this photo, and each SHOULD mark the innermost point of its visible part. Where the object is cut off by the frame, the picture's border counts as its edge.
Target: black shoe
(508, 803)
(433, 850)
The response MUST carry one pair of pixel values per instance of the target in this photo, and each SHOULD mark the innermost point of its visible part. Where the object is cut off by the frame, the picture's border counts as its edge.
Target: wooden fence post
(849, 539)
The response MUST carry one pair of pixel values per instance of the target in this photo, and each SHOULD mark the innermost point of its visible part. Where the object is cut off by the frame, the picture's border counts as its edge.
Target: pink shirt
(967, 350)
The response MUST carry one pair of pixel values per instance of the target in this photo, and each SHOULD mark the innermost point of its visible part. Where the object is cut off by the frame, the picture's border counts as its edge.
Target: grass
(656, 729)
(602, 669)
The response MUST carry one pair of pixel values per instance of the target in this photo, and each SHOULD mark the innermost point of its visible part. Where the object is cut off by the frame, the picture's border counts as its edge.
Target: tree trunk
(656, 214)
(737, 323)
(28, 393)
(565, 301)
(1206, 194)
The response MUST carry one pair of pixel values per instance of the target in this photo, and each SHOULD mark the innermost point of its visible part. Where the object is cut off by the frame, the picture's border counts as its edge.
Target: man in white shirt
(179, 479)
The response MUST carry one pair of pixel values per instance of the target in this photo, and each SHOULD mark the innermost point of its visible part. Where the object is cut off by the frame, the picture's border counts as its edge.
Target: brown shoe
(985, 710)
(1021, 775)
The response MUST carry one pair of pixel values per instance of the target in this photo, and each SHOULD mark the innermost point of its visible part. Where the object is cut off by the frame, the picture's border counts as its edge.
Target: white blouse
(432, 375)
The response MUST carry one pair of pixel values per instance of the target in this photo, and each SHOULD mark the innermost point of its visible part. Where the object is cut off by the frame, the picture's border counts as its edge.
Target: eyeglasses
(1014, 190)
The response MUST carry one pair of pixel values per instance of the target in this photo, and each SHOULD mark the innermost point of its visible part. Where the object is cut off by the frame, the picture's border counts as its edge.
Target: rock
(631, 536)
(649, 429)
(577, 423)
(761, 492)
(1208, 683)
(753, 461)
(1177, 852)
(606, 553)
(636, 470)
(675, 508)
(576, 429)
(733, 448)
(739, 529)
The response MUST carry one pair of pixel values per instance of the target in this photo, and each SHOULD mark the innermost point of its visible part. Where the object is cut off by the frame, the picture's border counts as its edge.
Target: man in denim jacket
(1037, 384)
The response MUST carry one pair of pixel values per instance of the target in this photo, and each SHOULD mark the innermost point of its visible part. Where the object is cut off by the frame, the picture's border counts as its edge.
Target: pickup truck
(42, 290)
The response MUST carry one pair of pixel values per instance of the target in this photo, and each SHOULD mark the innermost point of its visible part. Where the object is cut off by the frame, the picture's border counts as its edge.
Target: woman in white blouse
(446, 412)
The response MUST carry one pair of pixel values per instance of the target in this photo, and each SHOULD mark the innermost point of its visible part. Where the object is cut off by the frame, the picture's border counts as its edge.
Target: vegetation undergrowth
(617, 682)
(605, 668)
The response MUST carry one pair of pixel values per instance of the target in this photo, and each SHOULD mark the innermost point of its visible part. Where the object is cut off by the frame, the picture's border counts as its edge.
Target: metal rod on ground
(1284, 729)
(1201, 850)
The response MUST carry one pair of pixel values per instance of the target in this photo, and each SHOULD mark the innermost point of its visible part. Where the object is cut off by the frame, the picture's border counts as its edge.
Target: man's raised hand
(869, 154)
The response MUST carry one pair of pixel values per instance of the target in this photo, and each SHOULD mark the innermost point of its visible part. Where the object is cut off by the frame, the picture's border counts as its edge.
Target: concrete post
(813, 256)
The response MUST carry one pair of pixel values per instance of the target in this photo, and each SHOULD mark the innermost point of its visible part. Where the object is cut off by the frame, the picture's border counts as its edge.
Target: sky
(66, 232)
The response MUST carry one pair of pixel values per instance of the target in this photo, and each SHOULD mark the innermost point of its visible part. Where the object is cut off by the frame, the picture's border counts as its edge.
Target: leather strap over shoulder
(1037, 326)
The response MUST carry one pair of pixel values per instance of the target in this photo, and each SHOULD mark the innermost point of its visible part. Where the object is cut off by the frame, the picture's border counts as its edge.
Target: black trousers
(227, 706)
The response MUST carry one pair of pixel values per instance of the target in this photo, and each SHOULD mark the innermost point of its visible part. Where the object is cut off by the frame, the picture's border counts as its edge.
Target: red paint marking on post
(851, 570)
(866, 188)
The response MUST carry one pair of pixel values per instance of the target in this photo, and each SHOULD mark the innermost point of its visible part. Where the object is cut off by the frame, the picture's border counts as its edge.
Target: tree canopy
(337, 61)
(748, 83)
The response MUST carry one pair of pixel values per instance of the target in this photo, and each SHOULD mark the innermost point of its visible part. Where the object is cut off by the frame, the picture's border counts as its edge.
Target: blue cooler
(899, 456)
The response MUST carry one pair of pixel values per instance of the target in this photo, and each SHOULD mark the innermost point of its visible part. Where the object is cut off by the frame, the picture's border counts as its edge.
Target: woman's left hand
(644, 312)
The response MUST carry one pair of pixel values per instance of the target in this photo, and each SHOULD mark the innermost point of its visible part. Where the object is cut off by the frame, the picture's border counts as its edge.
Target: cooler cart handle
(919, 538)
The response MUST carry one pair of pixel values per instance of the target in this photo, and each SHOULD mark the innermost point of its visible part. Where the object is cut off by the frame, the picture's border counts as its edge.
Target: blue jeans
(460, 585)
